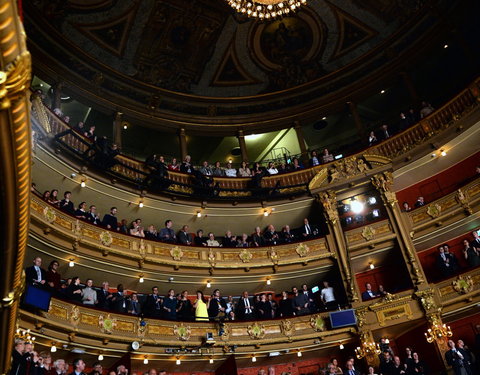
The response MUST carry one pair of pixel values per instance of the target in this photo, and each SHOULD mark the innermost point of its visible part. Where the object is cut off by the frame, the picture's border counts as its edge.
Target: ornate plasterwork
(256, 331)
(106, 238)
(462, 198)
(463, 284)
(434, 210)
(368, 233)
(107, 323)
(176, 253)
(328, 199)
(182, 332)
(287, 328)
(302, 250)
(317, 323)
(49, 214)
(245, 256)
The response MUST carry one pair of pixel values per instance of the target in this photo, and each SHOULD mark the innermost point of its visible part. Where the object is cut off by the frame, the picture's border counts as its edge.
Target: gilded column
(383, 183)
(336, 240)
(117, 129)
(183, 143)
(301, 141)
(243, 145)
(15, 162)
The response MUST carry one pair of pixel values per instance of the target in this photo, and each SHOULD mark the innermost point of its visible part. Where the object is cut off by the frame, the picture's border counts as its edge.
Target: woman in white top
(136, 230)
(271, 168)
(212, 242)
(244, 171)
(229, 171)
(327, 157)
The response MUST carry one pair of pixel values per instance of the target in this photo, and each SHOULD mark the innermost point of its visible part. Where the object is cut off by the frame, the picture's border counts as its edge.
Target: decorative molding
(176, 253)
(463, 284)
(256, 331)
(317, 323)
(302, 250)
(245, 256)
(107, 323)
(434, 210)
(182, 332)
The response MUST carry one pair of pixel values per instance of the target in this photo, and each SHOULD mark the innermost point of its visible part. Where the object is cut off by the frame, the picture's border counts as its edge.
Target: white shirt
(327, 294)
(39, 273)
(272, 171)
(231, 172)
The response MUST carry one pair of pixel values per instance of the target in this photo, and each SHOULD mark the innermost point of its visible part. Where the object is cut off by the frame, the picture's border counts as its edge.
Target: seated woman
(243, 241)
(174, 166)
(201, 307)
(257, 238)
(136, 229)
(327, 157)
(212, 242)
(81, 212)
(230, 171)
(74, 290)
(271, 169)
(200, 239)
(244, 171)
(338, 369)
(46, 196)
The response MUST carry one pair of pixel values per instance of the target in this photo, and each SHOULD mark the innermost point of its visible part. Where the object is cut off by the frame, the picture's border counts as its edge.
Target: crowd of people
(179, 306)
(268, 237)
(447, 262)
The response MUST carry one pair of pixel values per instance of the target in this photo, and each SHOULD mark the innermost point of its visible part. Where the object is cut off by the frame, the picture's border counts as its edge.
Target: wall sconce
(100, 357)
(208, 284)
(141, 279)
(199, 214)
(145, 361)
(266, 213)
(299, 353)
(71, 263)
(140, 204)
(443, 153)
(210, 361)
(269, 282)
(178, 362)
(371, 265)
(254, 359)
(83, 183)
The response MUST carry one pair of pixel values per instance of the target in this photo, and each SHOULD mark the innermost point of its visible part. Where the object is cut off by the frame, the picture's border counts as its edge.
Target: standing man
(458, 359)
(328, 297)
(36, 275)
(78, 367)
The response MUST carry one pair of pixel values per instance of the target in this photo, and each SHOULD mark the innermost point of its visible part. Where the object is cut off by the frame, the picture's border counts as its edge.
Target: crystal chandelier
(368, 349)
(438, 331)
(24, 335)
(266, 9)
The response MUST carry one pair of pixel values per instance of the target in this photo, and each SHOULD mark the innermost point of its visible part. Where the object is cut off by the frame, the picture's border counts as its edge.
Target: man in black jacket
(19, 362)
(109, 220)
(104, 297)
(36, 275)
(184, 237)
(244, 307)
(458, 359)
(66, 204)
(78, 367)
(119, 300)
(153, 304)
(217, 307)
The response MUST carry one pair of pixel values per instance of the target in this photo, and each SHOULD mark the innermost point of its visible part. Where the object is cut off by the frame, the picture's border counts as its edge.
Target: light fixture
(71, 263)
(372, 200)
(178, 362)
(254, 359)
(324, 117)
(125, 127)
(208, 284)
(443, 153)
(382, 92)
(83, 184)
(368, 349)
(100, 357)
(141, 279)
(437, 330)
(387, 341)
(356, 206)
(53, 349)
(265, 213)
(372, 266)
(199, 214)
(266, 9)
(299, 353)
(269, 281)
(445, 46)
(210, 361)
(140, 204)
(433, 155)
(341, 347)
(145, 361)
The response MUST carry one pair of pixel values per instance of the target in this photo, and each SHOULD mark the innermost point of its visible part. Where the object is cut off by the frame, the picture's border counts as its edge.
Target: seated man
(186, 166)
(307, 230)
(286, 235)
(184, 237)
(271, 236)
(229, 240)
(206, 169)
(230, 171)
(92, 215)
(167, 234)
(369, 293)
(420, 202)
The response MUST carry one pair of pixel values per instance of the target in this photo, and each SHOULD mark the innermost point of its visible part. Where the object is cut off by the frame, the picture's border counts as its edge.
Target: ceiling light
(356, 207)
(445, 46)
(341, 347)
(324, 118)
(53, 349)
(443, 153)
(125, 127)
(100, 357)
(71, 263)
(382, 92)
(208, 284)
(254, 359)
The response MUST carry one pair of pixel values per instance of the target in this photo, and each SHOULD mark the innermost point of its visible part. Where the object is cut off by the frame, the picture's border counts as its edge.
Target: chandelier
(24, 335)
(437, 331)
(266, 9)
(368, 349)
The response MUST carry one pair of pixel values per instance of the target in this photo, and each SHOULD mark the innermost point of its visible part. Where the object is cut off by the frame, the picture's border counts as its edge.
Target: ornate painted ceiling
(202, 47)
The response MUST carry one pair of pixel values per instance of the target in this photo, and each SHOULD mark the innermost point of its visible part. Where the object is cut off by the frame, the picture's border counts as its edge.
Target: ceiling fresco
(202, 47)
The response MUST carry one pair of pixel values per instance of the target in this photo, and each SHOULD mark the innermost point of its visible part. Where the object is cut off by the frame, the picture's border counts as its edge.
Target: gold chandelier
(438, 331)
(24, 335)
(368, 349)
(266, 9)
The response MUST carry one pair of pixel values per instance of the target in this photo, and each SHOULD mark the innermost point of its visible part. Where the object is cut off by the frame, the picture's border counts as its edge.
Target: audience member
(406, 207)
(200, 239)
(368, 293)
(229, 240)
(327, 296)
(384, 132)
(167, 234)
(299, 302)
(19, 361)
(119, 300)
(186, 166)
(218, 170)
(230, 171)
(471, 254)
(74, 290)
(426, 109)
(314, 160)
(206, 169)
(286, 236)
(184, 307)
(311, 302)
(89, 295)
(420, 202)
(245, 307)
(327, 156)
(174, 166)
(244, 171)
(217, 306)
(110, 220)
(201, 307)
(36, 275)
(458, 359)
(66, 204)
(243, 241)
(257, 238)
(53, 278)
(184, 237)
(419, 367)
(153, 304)
(212, 242)
(270, 236)
(151, 233)
(264, 308)
(372, 138)
(271, 169)
(134, 307)
(104, 297)
(92, 215)
(170, 306)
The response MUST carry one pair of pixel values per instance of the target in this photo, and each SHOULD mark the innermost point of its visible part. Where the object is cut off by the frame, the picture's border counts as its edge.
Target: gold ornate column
(117, 129)
(336, 240)
(243, 145)
(183, 143)
(383, 183)
(15, 159)
(301, 141)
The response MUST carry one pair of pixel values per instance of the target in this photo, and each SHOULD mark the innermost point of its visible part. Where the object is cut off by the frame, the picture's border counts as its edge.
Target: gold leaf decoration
(302, 250)
(256, 331)
(182, 332)
(107, 323)
(245, 256)
(106, 238)
(463, 284)
(434, 210)
(317, 323)
(176, 253)
(49, 214)
(368, 233)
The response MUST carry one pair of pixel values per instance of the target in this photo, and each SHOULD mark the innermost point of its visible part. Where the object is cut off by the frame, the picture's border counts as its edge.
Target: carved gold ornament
(434, 210)
(16, 79)
(106, 238)
(462, 199)
(182, 332)
(256, 331)
(287, 328)
(427, 300)
(49, 214)
(227, 331)
(463, 284)
(176, 253)
(368, 233)
(107, 323)
(317, 323)
(361, 314)
(141, 327)
(245, 256)
(328, 199)
(211, 258)
(272, 253)
(74, 315)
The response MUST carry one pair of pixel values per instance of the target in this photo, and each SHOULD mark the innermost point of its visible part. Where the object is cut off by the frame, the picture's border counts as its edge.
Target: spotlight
(341, 347)
(100, 357)
(443, 153)
(254, 359)
(71, 263)
(356, 206)
(208, 284)
(372, 200)
(53, 349)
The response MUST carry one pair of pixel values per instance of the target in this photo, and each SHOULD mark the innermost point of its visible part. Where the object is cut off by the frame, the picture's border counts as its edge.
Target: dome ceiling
(202, 47)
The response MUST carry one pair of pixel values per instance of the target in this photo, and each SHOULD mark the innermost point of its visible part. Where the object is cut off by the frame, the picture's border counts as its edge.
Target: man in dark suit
(186, 166)
(109, 220)
(153, 304)
(311, 298)
(307, 230)
(119, 300)
(229, 240)
(349, 370)
(78, 367)
(66, 204)
(476, 240)
(36, 275)
(217, 307)
(134, 307)
(384, 133)
(167, 234)
(271, 236)
(458, 359)
(244, 307)
(184, 237)
(369, 293)
(92, 215)
(104, 297)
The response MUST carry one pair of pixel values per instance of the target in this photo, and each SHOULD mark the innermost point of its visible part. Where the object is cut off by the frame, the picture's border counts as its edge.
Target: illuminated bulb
(341, 347)
(199, 214)
(71, 263)
(356, 206)
(445, 46)
(443, 153)
(141, 280)
(372, 266)
(178, 362)
(254, 359)
(208, 284)
(83, 184)
(53, 349)
(269, 281)
(100, 357)
(140, 204)
(387, 341)
(125, 127)
(210, 361)
(382, 92)
(145, 361)
(299, 354)
(265, 213)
